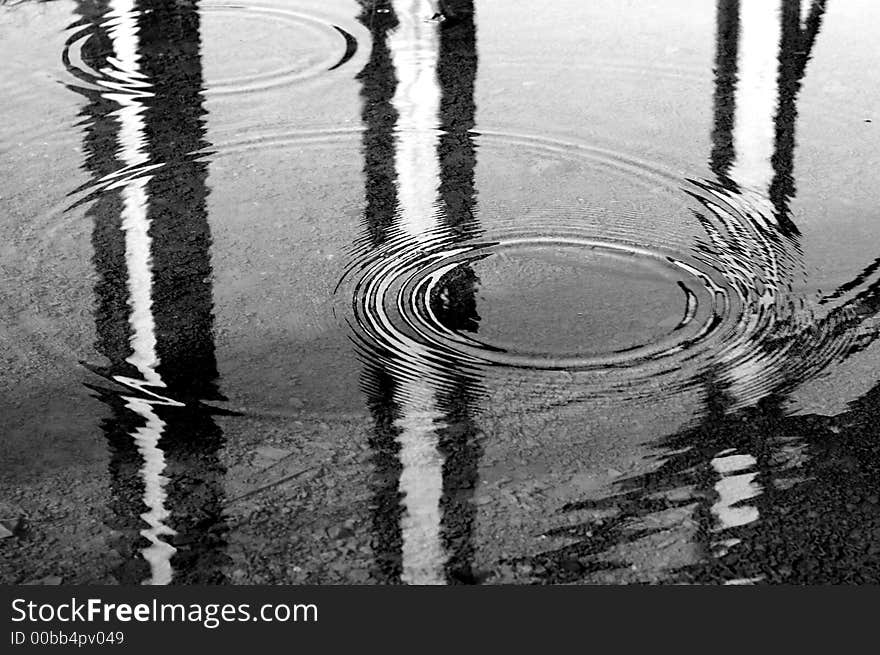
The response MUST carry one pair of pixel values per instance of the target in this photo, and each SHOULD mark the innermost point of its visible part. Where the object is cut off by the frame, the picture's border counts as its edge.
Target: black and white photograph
(439, 292)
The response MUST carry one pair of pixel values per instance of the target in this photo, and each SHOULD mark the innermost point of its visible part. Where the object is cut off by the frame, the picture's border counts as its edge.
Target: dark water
(331, 292)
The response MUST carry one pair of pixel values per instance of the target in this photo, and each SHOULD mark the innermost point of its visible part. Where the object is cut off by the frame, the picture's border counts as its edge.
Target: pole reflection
(775, 497)
(418, 114)
(756, 457)
(154, 309)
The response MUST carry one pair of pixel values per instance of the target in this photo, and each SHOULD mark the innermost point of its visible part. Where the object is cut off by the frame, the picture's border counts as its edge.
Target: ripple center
(560, 300)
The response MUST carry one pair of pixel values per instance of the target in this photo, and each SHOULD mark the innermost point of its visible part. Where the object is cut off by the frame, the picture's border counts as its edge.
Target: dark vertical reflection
(727, 47)
(423, 420)
(154, 305)
(379, 117)
(779, 498)
(795, 49)
(775, 498)
(455, 305)
(739, 479)
(457, 75)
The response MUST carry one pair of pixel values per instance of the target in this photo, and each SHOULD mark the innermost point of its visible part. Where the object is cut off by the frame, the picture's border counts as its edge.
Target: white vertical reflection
(127, 88)
(757, 93)
(737, 484)
(159, 553)
(421, 483)
(415, 51)
(754, 145)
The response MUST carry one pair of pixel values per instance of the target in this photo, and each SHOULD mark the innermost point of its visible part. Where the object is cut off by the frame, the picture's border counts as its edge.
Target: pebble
(340, 532)
(271, 452)
(571, 566)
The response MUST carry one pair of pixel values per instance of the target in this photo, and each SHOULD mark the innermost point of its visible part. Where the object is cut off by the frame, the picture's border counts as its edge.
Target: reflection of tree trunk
(387, 508)
(785, 488)
(462, 453)
(727, 39)
(744, 487)
(196, 496)
(379, 117)
(734, 460)
(454, 299)
(796, 46)
(457, 74)
(154, 311)
(378, 86)
(423, 432)
(127, 489)
(794, 50)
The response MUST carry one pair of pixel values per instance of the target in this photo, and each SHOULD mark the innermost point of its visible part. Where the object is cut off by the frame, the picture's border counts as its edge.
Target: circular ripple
(712, 299)
(592, 263)
(401, 316)
(560, 303)
(728, 275)
(560, 300)
(283, 47)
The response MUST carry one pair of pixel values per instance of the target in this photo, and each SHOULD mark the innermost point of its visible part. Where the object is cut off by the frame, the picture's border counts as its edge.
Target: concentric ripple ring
(732, 286)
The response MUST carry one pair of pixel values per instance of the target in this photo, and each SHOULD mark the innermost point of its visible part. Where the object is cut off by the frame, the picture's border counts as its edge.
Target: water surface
(330, 292)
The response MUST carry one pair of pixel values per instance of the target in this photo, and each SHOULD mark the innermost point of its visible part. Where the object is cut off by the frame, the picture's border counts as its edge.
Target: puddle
(518, 296)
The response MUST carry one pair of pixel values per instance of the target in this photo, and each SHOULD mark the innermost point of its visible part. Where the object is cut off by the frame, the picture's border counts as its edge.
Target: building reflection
(418, 115)
(142, 77)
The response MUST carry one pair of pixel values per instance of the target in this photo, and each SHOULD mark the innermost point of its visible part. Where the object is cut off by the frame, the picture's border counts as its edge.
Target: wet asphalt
(344, 293)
